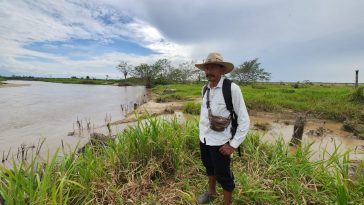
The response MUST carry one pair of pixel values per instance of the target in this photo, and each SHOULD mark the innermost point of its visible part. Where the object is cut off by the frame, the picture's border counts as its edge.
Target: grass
(192, 108)
(321, 101)
(358, 95)
(157, 162)
(1, 80)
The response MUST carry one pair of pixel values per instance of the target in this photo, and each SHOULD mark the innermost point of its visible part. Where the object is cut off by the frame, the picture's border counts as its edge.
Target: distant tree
(250, 72)
(87, 77)
(149, 73)
(124, 68)
(164, 66)
(188, 71)
(107, 77)
(182, 73)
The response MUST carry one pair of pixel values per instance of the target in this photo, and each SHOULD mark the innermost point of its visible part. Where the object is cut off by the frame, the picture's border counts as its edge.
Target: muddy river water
(54, 111)
(325, 134)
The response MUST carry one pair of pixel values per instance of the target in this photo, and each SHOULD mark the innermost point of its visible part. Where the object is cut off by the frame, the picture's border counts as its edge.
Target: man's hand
(226, 149)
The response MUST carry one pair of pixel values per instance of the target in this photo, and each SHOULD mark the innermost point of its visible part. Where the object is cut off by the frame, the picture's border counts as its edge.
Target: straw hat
(216, 58)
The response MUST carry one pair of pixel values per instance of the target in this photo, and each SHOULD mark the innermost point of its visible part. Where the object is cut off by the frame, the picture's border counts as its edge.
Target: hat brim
(228, 67)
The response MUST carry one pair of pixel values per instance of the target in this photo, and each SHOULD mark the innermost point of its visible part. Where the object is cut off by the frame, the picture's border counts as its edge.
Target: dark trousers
(217, 165)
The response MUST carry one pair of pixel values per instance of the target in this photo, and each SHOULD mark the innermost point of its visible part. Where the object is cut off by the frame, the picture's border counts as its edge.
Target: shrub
(192, 108)
(257, 86)
(288, 91)
(357, 95)
(296, 85)
(169, 98)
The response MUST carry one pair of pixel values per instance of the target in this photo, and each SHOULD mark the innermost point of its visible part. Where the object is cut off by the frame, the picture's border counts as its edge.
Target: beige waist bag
(217, 123)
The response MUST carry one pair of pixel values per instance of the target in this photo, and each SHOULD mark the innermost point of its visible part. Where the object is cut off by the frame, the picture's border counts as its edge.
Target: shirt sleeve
(243, 117)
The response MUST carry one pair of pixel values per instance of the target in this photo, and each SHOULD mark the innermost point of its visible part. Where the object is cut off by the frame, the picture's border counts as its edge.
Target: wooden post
(299, 125)
(356, 78)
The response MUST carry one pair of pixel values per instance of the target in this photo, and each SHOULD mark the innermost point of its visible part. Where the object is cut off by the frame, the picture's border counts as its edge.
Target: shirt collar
(219, 85)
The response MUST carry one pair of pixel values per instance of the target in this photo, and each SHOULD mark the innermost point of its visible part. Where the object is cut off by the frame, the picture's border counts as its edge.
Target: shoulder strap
(226, 91)
(204, 90)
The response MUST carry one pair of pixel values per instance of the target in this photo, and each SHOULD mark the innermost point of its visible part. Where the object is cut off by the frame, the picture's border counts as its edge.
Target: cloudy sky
(316, 40)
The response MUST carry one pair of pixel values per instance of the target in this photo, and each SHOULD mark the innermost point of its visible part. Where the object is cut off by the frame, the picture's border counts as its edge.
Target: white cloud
(25, 22)
(293, 39)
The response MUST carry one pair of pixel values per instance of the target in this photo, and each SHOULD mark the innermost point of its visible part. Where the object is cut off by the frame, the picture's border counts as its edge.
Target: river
(54, 111)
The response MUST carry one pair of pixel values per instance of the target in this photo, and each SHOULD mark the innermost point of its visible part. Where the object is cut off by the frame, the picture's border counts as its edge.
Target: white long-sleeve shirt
(218, 108)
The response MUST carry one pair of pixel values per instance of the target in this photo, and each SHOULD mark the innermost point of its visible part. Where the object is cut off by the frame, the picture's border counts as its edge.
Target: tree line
(164, 72)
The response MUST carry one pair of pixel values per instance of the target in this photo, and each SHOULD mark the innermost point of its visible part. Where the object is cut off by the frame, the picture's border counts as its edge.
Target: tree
(164, 67)
(124, 68)
(188, 72)
(250, 72)
(149, 73)
(184, 72)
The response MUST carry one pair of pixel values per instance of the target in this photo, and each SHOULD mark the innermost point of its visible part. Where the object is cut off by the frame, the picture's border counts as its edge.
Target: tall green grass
(358, 95)
(157, 162)
(192, 108)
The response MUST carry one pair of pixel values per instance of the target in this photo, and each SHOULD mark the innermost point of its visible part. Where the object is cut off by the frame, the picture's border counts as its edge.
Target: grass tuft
(192, 108)
(358, 95)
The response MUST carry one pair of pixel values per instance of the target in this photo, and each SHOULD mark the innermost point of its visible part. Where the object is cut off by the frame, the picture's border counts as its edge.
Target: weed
(358, 95)
(192, 108)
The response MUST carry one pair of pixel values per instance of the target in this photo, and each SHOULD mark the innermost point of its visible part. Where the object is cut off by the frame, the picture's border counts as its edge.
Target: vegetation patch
(157, 162)
(265, 126)
(287, 90)
(192, 108)
(257, 86)
(358, 95)
(169, 98)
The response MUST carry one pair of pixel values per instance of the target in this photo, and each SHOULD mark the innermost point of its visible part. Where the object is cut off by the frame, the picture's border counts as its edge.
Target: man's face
(213, 72)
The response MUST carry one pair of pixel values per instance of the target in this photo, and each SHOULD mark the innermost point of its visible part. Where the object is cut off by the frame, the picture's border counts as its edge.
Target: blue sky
(317, 40)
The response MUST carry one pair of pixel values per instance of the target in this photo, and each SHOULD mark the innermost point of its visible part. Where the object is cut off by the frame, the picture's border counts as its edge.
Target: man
(217, 146)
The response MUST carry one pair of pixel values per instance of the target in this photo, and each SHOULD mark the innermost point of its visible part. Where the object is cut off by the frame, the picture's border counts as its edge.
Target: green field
(322, 101)
(158, 162)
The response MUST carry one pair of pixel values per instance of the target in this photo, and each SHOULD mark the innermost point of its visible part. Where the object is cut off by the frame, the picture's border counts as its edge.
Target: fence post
(356, 78)
(298, 128)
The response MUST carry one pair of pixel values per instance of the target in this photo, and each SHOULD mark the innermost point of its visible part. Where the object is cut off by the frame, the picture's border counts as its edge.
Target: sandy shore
(151, 108)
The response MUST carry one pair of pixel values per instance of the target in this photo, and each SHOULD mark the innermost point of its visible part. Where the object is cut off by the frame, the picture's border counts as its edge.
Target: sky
(316, 40)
